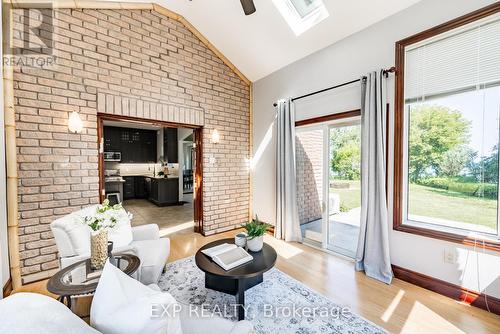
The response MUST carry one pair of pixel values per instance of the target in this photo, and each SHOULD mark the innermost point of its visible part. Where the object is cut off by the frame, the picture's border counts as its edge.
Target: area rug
(280, 304)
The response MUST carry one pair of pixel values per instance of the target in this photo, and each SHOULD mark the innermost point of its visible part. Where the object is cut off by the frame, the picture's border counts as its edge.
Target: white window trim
(325, 128)
(299, 24)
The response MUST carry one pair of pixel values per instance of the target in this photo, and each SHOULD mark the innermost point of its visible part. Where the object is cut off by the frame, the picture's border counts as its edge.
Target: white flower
(106, 217)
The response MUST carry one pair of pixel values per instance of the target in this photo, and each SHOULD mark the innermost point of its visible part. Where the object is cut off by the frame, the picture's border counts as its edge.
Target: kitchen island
(163, 191)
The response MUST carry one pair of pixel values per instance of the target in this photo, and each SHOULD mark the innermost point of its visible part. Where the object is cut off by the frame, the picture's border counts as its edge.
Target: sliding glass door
(344, 186)
(328, 158)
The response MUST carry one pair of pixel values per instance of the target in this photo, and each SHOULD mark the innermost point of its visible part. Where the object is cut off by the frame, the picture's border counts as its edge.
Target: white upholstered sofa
(32, 313)
(73, 243)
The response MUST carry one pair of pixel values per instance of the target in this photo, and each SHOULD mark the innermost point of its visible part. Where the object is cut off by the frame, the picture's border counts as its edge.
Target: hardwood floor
(400, 307)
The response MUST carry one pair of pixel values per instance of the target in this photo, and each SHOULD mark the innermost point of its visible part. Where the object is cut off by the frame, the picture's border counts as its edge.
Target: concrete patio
(343, 231)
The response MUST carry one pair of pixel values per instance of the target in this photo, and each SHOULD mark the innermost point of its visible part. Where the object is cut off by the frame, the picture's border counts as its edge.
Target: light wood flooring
(400, 307)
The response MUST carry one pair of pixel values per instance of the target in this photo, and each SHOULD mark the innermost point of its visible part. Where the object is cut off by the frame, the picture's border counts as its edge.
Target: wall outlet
(449, 256)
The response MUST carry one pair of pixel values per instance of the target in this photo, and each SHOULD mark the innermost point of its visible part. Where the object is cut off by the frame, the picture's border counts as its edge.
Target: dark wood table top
(80, 279)
(262, 262)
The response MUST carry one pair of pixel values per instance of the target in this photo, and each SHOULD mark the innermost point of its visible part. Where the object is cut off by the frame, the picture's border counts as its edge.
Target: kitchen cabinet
(139, 187)
(148, 146)
(134, 187)
(164, 191)
(129, 187)
(135, 145)
(111, 139)
(130, 141)
(170, 145)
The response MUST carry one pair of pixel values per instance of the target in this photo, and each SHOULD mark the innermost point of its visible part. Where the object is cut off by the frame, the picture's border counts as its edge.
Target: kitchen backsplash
(141, 169)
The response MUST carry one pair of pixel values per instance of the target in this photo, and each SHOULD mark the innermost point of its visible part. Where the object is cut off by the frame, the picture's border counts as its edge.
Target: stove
(116, 178)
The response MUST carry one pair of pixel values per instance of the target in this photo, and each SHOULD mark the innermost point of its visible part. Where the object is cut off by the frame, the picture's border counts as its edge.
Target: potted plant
(103, 219)
(255, 234)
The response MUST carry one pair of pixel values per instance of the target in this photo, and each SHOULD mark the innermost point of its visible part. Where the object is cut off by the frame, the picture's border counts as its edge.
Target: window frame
(295, 21)
(326, 123)
(400, 140)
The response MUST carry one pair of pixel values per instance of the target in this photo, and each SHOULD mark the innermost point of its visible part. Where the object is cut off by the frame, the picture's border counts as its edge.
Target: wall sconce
(215, 137)
(75, 123)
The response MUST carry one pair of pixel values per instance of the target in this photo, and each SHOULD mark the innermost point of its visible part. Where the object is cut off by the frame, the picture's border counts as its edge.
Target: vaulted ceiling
(262, 43)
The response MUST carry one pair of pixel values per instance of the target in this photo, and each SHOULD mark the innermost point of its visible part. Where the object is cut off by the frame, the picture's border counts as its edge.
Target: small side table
(79, 279)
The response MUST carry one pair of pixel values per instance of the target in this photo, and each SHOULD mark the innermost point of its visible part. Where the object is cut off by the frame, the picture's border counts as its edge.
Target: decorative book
(228, 256)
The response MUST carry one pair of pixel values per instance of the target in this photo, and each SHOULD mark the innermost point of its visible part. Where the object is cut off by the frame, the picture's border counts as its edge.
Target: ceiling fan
(248, 6)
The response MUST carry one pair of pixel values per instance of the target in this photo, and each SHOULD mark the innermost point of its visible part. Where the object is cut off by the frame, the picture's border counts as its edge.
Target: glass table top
(83, 274)
(80, 278)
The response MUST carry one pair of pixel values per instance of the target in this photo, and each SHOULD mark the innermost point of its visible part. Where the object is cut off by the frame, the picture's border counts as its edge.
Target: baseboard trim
(7, 288)
(447, 289)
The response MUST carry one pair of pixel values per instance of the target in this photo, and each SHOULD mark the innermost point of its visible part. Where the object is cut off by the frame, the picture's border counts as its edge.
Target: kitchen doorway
(154, 169)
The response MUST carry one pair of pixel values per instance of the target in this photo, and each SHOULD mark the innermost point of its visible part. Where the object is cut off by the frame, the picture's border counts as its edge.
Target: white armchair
(73, 243)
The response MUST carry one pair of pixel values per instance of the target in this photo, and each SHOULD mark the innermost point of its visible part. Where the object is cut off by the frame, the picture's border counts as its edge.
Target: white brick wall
(106, 56)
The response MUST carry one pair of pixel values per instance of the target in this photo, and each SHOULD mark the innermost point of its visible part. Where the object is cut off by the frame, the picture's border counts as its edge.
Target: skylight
(301, 15)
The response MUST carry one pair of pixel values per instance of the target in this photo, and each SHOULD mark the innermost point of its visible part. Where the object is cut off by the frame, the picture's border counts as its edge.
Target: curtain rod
(384, 72)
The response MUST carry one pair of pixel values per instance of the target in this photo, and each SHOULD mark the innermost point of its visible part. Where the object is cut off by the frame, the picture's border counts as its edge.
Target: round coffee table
(236, 281)
(79, 279)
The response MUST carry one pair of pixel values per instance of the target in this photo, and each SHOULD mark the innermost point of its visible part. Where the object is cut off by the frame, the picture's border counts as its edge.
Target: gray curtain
(287, 221)
(372, 254)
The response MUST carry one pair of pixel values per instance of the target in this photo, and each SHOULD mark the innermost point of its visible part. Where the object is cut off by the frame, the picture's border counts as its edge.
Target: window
(447, 130)
(301, 15)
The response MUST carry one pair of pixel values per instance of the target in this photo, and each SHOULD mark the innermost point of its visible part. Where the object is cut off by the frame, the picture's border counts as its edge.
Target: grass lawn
(436, 203)
(350, 197)
(439, 203)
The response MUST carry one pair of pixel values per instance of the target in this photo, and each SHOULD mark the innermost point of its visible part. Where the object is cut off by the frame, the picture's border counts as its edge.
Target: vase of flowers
(255, 234)
(98, 249)
(100, 222)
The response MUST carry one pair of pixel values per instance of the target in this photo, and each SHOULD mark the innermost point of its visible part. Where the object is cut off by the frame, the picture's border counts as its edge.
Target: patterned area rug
(278, 305)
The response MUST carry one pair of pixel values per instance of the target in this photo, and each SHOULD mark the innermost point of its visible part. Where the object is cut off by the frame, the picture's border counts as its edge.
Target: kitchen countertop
(114, 181)
(153, 177)
(161, 177)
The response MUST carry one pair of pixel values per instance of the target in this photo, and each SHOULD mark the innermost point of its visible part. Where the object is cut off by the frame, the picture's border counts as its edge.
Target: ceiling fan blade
(248, 6)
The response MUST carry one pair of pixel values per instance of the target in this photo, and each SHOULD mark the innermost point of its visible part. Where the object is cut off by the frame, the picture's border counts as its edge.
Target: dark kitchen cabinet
(170, 145)
(140, 187)
(164, 191)
(147, 185)
(134, 187)
(135, 145)
(148, 146)
(111, 139)
(128, 187)
(130, 141)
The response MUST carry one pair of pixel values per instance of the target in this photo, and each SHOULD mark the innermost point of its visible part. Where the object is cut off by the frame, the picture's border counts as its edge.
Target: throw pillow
(122, 305)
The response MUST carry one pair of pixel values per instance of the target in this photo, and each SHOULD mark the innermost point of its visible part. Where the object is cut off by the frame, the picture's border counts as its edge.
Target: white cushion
(32, 313)
(121, 234)
(124, 305)
(153, 255)
(79, 233)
